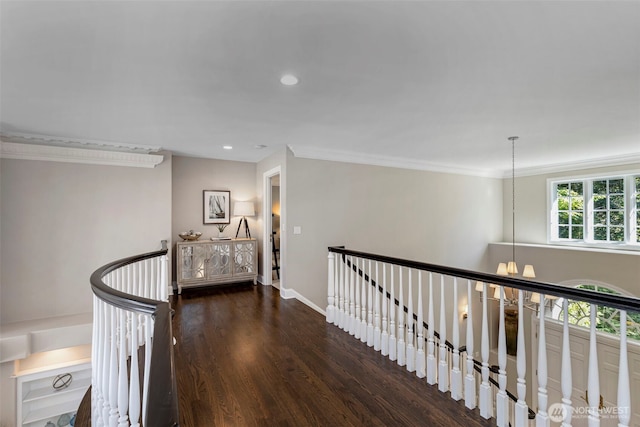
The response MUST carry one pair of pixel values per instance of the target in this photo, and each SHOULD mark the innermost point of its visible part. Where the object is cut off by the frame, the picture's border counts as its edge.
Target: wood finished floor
(245, 357)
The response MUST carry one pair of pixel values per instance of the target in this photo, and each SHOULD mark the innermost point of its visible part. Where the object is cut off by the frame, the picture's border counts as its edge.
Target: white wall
(61, 221)
(430, 217)
(191, 176)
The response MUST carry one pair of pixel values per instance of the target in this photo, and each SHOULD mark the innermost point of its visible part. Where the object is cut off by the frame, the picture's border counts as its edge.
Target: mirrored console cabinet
(211, 262)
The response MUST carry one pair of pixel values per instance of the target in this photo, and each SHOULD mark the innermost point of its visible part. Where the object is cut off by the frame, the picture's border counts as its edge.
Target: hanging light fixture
(511, 268)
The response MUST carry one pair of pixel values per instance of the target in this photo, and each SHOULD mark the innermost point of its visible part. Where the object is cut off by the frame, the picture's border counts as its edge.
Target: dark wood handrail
(593, 297)
(122, 299)
(163, 395)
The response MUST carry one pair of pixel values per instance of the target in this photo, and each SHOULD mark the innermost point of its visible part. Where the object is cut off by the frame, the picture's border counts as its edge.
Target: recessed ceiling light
(289, 80)
(227, 147)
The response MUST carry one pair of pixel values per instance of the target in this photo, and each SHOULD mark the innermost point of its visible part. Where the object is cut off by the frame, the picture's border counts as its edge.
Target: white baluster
(593, 379)
(470, 378)
(420, 357)
(502, 400)
(358, 325)
(98, 363)
(402, 348)
(411, 351)
(370, 329)
(106, 363)
(542, 417)
(431, 344)
(164, 279)
(113, 370)
(521, 409)
(345, 292)
(134, 388)
(384, 343)
(352, 302)
(341, 319)
(363, 318)
(377, 331)
(147, 278)
(443, 366)
(624, 391)
(456, 373)
(485, 398)
(566, 379)
(147, 367)
(393, 345)
(336, 297)
(123, 380)
(330, 287)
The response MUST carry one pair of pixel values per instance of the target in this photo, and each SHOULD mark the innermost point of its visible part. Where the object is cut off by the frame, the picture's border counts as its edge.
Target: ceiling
(424, 83)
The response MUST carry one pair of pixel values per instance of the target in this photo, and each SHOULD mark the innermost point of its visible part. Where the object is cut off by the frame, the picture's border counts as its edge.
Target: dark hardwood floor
(245, 357)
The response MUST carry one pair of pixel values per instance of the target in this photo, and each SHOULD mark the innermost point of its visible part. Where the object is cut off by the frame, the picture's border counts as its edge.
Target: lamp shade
(502, 269)
(512, 268)
(528, 271)
(243, 209)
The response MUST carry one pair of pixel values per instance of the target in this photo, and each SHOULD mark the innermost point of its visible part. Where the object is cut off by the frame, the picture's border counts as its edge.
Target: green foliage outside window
(607, 318)
(570, 198)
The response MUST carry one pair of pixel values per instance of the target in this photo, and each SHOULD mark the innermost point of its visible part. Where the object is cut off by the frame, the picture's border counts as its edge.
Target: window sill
(626, 249)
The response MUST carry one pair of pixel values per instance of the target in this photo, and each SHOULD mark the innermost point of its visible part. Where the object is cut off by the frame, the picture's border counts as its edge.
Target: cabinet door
(244, 258)
(193, 260)
(219, 260)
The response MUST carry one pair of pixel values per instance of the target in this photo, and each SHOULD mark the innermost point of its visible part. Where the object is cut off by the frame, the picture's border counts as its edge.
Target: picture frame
(216, 207)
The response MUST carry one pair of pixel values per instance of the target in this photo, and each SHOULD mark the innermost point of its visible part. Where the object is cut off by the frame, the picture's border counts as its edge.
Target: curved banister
(617, 301)
(122, 299)
(159, 406)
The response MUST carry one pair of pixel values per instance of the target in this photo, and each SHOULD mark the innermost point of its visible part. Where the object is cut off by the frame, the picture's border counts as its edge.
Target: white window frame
(588, 234)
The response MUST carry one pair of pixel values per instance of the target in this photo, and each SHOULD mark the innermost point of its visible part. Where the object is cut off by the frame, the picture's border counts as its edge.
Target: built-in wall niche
(50, 385)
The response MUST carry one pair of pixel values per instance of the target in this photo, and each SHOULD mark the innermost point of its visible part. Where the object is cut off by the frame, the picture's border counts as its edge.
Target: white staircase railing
(133, 381)
(371, 307)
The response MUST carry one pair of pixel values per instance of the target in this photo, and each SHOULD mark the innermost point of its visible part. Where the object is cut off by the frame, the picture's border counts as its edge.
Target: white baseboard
(290, 293)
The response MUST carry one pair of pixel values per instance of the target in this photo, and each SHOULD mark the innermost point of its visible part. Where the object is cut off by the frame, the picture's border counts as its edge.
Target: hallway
(245, 357)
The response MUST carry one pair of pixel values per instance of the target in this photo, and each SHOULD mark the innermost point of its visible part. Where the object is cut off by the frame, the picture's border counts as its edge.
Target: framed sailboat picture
(216, 207)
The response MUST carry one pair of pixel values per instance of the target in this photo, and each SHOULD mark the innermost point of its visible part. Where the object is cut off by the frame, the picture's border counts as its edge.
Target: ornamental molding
(55, 153)
(31, 138)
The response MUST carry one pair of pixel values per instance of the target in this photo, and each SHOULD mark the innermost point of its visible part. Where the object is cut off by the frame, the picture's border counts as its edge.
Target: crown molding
(52, 153)
(602, 162)
(57, 141)
(306, 152)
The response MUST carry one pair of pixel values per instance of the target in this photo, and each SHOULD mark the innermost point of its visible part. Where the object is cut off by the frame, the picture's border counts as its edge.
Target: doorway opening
(273, 261)
(275, 231)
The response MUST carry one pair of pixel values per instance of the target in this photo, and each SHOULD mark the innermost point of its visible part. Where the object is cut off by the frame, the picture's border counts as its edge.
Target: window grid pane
(570, 205)
(608, 210)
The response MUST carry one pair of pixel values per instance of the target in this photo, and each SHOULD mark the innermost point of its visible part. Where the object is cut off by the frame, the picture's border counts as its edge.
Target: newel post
(330, 287)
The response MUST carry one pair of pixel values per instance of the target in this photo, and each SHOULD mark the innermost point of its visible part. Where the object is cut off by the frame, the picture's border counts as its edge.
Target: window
(596, 210)
(570, 198)
(608, 210)
(607, 318)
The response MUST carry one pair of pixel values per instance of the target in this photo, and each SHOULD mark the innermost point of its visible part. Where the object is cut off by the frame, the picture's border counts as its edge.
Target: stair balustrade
(133, 379)
(372, 308)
